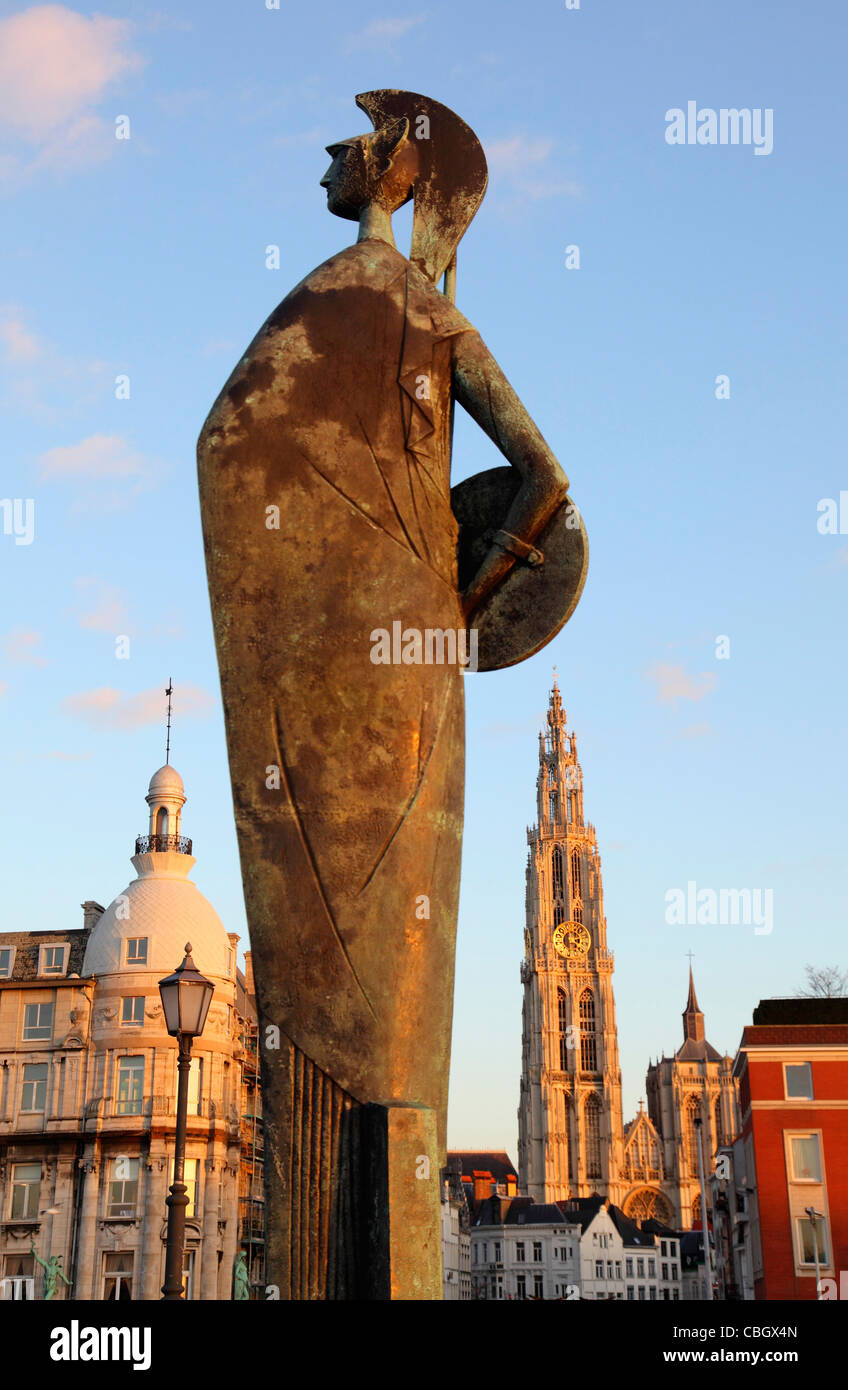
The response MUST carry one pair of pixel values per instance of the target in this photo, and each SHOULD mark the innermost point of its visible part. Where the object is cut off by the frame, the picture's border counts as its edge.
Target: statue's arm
(482, 389)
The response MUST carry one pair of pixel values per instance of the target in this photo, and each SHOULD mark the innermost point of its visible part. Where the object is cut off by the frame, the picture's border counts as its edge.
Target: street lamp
(186, 996)
(708, 1270)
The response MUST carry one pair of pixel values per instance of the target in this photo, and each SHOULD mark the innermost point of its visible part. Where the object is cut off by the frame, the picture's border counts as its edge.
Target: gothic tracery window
(557, 876)
(592, 1136)
(588, 1042)
(575, 874)
(562, 1014)
(691, 1111)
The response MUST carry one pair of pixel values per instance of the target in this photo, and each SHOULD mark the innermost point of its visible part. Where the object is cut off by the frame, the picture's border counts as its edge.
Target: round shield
(536, 598)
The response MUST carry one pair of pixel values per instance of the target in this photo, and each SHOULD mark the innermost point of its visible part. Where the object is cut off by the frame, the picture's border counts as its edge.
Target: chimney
(484, 1186)
(249, 986)
(91, 913)
(511, 1185)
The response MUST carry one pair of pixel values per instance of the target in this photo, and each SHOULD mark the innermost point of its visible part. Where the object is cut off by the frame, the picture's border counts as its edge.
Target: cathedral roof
(693, 1051)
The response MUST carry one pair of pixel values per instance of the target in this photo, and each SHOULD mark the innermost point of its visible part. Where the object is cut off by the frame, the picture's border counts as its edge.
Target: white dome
(168, 911)
(166, 782)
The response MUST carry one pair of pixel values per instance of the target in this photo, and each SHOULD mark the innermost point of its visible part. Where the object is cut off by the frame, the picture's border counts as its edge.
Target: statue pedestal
(402, 1202)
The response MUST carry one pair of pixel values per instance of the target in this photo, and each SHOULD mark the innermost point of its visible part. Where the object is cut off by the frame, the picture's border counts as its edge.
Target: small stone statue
(241, 1278)
(52, 1273)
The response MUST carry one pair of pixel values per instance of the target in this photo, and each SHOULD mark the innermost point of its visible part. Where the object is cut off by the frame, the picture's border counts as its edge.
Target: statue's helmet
(451, 178)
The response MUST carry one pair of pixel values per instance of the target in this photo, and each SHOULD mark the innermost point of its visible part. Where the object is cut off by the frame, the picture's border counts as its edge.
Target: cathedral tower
(570, 1129)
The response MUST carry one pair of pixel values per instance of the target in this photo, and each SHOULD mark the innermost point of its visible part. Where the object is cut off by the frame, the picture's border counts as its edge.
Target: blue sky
(145, 257)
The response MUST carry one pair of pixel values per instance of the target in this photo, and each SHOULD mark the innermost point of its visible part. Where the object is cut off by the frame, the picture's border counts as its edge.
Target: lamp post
(708, 1271)
(186, 996)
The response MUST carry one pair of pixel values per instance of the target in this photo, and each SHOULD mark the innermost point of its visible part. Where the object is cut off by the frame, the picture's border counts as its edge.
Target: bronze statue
(324, 470)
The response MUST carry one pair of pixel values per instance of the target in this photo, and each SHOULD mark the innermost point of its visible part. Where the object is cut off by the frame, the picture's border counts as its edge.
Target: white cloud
(98, 456)
(108, 708)
(56, 66)
(109, 613)
(20, 647)
(521, 164)
(19, 343)
(675, 683)
(380, 33)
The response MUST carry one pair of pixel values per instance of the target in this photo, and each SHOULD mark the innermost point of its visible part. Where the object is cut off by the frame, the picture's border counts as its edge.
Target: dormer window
(137, 950)
(52, 959)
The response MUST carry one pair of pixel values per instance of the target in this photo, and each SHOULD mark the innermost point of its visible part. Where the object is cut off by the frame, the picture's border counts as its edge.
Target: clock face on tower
(572, 940)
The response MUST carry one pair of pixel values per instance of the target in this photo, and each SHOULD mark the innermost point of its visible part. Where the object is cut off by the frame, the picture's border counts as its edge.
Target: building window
(653, 1293)
(52, 960)
(628, 1268)
(137, 950)
(521, 1285)
(130, 1085)
(562, 1016)
(665, 1271)
(552, 806)
(640, 1268)
(798, 1079)
(592, 1127)
(117, 1276)
(631, 1293)
(188, 1272)
(717, 1129)
(806, 1245)
(190, 1180)
(599, 1269)
(34, 1091)
(38, 1022)
(26, 1190)
(195, 1087)
(652, 1269)
(588, 1045)
(231, 963)
(537, 1252)
(557, 876)
(618, 1269)
(674, 1272)
(132, 1010)
(575, 874)
(519, 1251)
(538, 1286)
(497, 1252)
(663, 1248)
(7, 960)
(691, 1110)
(642, 1293)
(805, 1159)
(19, 1278)
(609, 1269)
(123, 1187)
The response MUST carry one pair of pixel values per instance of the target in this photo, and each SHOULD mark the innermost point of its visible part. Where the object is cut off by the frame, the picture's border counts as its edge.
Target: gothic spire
(693, 1018)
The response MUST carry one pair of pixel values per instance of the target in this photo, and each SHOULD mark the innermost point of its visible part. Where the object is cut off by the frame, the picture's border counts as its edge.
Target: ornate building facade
(88, 1081)
(570, 1133)
(571, 1139)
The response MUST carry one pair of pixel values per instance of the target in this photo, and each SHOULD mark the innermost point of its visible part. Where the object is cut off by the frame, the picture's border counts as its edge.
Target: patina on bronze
(324, 470)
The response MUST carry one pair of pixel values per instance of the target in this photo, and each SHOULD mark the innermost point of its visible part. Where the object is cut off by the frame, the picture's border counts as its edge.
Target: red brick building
(792, 1068)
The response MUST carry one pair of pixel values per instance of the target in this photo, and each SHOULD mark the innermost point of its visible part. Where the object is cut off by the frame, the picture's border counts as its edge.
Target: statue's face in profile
(347, 179)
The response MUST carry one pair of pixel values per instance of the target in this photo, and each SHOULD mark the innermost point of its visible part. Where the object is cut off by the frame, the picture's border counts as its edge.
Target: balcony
(162, 844)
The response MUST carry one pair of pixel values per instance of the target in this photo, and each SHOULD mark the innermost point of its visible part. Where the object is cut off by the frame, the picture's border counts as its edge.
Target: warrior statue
(328, 518)
(52, 1273)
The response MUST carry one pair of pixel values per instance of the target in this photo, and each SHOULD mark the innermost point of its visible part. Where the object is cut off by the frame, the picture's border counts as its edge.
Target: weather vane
(169, 692)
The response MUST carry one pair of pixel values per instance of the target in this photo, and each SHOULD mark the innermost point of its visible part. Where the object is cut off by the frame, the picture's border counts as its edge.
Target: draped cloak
(325, 497)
